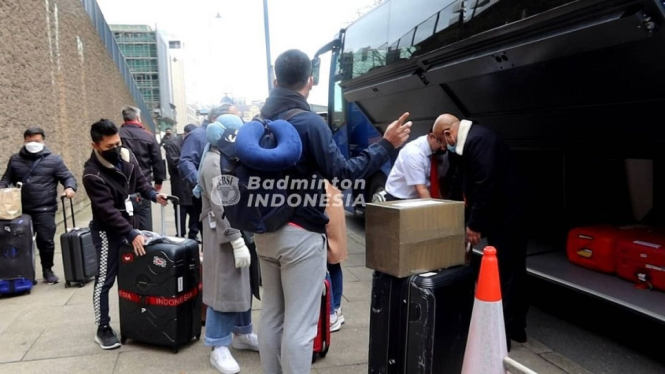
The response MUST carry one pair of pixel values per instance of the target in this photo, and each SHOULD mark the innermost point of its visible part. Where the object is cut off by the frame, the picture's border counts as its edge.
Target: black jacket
(320, 155)
(491, 182)
(107, 201)
(40, 191)
(146, 150)
(180, 187)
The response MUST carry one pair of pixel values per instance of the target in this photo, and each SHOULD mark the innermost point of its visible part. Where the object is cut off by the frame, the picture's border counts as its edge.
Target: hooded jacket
(320, 156)
(145, 148)
(40, 192)
(108, 203)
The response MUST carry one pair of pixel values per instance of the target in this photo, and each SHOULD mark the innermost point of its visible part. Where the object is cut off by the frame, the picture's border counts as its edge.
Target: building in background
(177, 73)
(193, 115)
(147, 56)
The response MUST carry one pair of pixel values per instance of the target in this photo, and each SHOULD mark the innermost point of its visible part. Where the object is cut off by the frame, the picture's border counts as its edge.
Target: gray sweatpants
(293, 267)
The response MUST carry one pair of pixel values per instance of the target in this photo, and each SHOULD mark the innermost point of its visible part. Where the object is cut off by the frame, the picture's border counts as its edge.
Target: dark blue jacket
(320, 156)
(191, 152)
(491, 182)
(40, 192)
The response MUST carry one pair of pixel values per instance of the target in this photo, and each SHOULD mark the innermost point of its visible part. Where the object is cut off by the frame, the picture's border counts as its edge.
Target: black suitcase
(419, 324)
(79, 256)
(17, 256)
(160, 292)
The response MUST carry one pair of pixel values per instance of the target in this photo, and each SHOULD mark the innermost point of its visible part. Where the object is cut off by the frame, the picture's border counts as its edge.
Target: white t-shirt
(411, 168)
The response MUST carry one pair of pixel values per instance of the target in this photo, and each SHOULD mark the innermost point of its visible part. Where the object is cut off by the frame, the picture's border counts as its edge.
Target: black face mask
(440, 152)
(111, 155)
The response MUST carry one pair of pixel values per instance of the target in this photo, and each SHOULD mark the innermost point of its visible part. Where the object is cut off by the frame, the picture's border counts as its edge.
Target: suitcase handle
(176, 204)
(64, 212)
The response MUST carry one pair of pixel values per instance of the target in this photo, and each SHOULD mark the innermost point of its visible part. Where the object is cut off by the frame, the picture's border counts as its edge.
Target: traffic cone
(486, 345)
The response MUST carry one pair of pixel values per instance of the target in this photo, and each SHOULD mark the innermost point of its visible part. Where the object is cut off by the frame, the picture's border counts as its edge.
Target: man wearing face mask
(40, 171)
(414, 174)
(111, 176)
(495, 196)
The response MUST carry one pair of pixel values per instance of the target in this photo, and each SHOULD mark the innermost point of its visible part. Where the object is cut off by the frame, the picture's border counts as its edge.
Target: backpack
(250, 206)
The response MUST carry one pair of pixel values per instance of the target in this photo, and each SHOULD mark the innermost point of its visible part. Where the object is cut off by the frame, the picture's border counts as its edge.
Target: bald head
(445, 122)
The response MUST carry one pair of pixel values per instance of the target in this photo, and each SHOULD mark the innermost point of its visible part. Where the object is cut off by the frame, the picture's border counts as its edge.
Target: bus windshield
(398, 29)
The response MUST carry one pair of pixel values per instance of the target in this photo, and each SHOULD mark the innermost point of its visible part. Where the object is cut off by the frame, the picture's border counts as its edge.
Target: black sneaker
(50, 277)
(106, 338)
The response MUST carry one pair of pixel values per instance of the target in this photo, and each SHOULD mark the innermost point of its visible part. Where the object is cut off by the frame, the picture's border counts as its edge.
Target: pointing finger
(402, 118)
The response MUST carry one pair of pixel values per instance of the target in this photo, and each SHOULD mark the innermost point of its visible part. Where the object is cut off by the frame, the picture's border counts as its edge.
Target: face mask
(111, 155)
(34, 147)
(452, 148)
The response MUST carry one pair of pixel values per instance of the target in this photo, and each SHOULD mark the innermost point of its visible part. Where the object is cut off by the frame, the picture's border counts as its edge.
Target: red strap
(294, 225)
(161, 301)
(434, 190)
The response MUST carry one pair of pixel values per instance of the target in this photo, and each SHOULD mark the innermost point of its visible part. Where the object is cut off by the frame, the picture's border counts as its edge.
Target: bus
(575, 87)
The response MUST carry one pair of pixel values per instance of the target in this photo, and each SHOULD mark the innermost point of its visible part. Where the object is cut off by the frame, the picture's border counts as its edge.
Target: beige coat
(336, 228)
(225, 288)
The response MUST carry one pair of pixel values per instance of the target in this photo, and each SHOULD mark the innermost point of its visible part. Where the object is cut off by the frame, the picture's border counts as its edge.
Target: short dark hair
(102, 128)
(292, 69)
(34, 131)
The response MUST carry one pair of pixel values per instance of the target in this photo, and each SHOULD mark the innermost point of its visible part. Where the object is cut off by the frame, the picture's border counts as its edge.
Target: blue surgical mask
(451, 148)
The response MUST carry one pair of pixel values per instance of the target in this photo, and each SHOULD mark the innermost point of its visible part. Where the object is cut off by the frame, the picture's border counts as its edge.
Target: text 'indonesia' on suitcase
(160, 292)
(79, 256)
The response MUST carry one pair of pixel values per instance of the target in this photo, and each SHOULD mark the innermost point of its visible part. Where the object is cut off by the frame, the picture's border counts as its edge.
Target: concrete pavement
(52, 330)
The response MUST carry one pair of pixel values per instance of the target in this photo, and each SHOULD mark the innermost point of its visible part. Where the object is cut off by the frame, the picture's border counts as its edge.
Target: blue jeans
(220, 325)
(336, 279)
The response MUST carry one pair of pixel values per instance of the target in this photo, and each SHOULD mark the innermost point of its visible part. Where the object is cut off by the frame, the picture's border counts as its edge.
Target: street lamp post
(267, 37)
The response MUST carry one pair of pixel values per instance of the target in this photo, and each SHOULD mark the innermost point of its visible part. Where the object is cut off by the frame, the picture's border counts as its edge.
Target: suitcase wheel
(324, 352)
(175, 350)
(67, 285)
(198, 337)
(81, 285)
(34, 282)
(123, 340)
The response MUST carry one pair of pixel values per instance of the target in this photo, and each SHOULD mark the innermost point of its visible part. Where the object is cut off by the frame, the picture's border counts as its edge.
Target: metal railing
(514, 367)
(105, 34)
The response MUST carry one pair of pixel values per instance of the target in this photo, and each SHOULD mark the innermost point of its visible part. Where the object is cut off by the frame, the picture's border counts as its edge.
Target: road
(597, 336)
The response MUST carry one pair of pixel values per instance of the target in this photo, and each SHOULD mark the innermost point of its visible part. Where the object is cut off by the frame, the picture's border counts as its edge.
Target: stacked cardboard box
(409, 237)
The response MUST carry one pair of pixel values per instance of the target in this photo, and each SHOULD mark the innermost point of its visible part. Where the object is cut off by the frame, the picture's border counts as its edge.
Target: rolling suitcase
(160, 292)
(595, 247)
(17, 256)
(79, 257)
(642, 260)
(322, 340)
(419, 324)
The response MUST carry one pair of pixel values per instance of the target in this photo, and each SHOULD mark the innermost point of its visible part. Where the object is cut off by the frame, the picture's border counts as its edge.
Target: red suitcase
(642, 260)
(322, 340)
(594, 247)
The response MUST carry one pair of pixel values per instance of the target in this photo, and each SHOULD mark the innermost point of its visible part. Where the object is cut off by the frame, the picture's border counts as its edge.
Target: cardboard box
(414, 236)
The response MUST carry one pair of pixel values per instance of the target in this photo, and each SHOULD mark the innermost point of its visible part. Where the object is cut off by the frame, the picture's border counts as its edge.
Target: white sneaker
(223, 361)
(335, 324)
(246, 341)
(340, 316)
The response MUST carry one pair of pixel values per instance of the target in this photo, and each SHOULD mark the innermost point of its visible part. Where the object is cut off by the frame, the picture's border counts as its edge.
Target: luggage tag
(211, 220)
(129, 207)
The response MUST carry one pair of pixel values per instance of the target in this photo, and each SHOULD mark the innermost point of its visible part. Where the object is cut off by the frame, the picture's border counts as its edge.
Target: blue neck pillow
(270, 147)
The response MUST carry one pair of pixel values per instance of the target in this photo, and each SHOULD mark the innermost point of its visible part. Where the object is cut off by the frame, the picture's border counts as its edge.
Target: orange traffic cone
(486, 345)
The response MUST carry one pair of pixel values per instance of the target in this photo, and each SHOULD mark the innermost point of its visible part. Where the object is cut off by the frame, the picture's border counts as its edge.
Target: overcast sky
(228, 54)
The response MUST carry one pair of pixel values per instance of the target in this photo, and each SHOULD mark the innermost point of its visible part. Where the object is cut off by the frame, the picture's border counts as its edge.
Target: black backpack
(256, 210)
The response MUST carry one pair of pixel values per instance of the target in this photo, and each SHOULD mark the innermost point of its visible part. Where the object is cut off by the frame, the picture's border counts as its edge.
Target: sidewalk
(52, 330)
